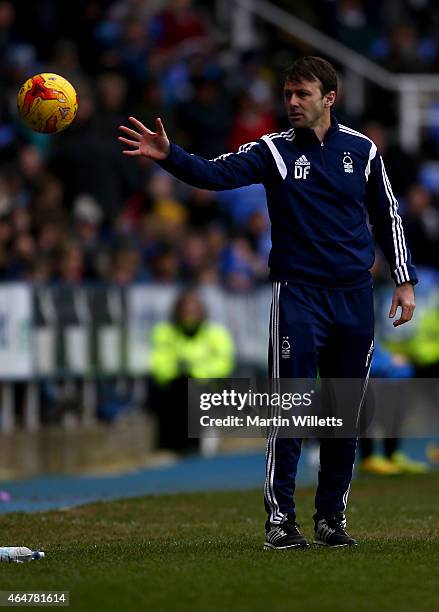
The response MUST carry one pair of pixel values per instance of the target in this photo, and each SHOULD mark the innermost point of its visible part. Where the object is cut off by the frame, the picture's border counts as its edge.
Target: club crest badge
(348, 164)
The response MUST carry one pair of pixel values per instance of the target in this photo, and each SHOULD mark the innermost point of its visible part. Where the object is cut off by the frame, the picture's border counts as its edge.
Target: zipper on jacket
(322, 156)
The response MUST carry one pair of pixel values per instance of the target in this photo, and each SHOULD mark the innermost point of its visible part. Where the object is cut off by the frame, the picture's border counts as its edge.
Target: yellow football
(47, 103)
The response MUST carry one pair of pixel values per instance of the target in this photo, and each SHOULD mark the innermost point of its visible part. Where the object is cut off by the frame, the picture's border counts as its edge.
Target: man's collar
(306, 136)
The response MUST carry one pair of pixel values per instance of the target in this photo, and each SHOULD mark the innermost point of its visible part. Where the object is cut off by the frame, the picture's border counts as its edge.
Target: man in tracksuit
(324, 181)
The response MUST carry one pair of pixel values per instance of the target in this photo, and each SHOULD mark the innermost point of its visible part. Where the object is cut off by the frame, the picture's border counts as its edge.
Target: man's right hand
(153, 145)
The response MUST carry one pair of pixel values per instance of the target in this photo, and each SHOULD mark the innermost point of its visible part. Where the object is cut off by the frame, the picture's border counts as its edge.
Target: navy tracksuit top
(321, 196)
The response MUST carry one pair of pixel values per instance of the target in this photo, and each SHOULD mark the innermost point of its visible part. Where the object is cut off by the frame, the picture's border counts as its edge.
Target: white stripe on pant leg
(363, 395)
(346, 493)
(271, 500)
(366, 381)
(268, 447)
(345, 497)
(267, 491)
(276, 514)
(268, 455)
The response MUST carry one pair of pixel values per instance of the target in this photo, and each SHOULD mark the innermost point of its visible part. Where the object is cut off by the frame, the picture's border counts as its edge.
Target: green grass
(203, 552)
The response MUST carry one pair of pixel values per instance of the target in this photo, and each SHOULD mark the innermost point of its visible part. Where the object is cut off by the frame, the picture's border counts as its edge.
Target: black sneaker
(332, 533)
(284, 535)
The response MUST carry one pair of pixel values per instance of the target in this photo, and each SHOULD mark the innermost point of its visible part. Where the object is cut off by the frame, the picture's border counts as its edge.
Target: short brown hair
(311, 68)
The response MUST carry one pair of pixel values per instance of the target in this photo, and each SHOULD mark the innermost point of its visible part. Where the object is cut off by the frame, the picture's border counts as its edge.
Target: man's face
(305, 105)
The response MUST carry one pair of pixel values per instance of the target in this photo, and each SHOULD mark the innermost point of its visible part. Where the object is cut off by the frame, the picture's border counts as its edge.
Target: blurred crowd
(400, 35)
(73, 209)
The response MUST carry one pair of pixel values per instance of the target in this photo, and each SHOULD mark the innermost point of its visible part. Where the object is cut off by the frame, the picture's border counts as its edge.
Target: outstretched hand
(153, 145)
(403, 296)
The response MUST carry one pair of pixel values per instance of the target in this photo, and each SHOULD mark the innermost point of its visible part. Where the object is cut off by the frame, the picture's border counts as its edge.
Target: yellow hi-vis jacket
(207, 354)
(422, 348)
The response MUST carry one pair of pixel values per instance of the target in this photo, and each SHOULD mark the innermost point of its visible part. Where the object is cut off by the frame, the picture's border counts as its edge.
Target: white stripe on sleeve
(277, 157)
(372, 153)
(396, 220)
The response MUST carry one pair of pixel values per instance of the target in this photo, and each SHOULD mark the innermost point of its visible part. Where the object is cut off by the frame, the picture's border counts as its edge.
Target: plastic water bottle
(19, 554)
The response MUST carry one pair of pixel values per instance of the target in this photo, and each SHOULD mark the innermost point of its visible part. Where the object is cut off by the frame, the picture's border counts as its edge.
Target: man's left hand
(403, 296)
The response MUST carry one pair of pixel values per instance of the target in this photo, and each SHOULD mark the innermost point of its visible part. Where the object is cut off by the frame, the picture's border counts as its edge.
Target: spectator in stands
(164, 265)
(203, 208)
(404, 53)
(87, 217)
(353, 26)
(70, 268)
(126, 265)
(39, 271)
(66, 61)
(401, 167)
(251, 121)
(48, 203)
(242, 268)
(162, 200)
(422, 226)
(206, 137)
(151, 105)
(198, 262)
(51, 236)
(180, 24)
(32, 168)
(111, 104)
(85, 163)
(6, 229)
(257, 231)
(22, 255)
(188, 346)
(253, 74)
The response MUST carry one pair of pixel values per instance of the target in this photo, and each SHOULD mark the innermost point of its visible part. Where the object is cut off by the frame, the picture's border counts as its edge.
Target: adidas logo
(301, 168)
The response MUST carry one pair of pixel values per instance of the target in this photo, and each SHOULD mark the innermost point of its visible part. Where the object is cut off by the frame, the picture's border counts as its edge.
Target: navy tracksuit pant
(329, 332)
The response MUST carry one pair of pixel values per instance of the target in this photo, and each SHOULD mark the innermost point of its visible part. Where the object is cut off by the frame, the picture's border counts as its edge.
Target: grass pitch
(203, 552)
